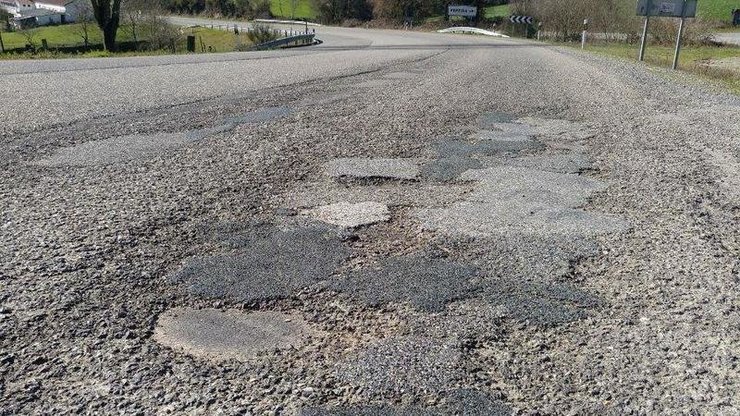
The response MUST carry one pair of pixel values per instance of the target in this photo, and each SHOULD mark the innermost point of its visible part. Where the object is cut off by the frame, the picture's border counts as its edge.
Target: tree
(4, 24)
(108, 15)
(85, 18)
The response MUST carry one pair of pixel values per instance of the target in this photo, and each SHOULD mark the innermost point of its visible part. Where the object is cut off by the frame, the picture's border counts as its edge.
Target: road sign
(521, 19)
(666, 8)
(465, 11)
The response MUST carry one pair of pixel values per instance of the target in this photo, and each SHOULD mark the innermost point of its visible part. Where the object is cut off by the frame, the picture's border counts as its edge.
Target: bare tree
(135, 14)
(108, 15)
(30, 35)
(85, 19)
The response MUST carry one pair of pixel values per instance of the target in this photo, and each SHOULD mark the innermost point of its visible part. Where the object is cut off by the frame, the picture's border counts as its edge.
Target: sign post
(464, 11)
(526, 20)
(680, 34)
(583, 35)
(643, 41)
(665, 8)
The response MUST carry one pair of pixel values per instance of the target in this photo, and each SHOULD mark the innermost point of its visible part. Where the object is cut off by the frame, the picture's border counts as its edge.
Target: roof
(59, 3)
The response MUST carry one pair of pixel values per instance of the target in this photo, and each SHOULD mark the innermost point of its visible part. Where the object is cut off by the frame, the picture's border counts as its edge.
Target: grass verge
(700, 60)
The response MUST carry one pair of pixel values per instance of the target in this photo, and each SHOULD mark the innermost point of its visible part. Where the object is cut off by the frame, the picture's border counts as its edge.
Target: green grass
(283, 9)
(497, 11)
(717, 9)
(692, 59)
(66, 35)
(57, 36)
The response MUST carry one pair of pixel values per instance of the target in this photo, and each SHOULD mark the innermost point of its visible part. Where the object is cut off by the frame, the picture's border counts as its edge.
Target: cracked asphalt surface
(117, 219)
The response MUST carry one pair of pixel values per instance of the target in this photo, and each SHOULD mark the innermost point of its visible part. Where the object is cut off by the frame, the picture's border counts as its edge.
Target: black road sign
(521, 19)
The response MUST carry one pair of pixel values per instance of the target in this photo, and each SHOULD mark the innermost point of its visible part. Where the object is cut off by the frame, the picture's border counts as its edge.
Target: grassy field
(57, 36)
(497, 11)
(284, 9)
(67, 35)
(693, 59)
(717, 9)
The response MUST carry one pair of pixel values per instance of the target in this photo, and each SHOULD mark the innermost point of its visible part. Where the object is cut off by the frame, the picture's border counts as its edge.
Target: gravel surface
(619, 296)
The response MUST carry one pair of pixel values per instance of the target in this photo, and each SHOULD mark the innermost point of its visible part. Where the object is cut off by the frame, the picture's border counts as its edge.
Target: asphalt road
(389, 223)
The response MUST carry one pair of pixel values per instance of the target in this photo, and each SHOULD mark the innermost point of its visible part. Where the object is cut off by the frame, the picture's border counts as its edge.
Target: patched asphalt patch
(504, 142)
(270, 264)
(560, 162)
(460, 402)
(362, 168)
(487, 120)
(449, 168)
(539, 303)
(348, 215)
(231, 334)
(527, 201)
(142, 146)
(427, 284)
(411, 365)
(260, 115)
(115, 150)
(462, 148)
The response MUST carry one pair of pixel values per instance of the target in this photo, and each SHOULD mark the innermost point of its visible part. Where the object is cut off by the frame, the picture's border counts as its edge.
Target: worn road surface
(389, 223)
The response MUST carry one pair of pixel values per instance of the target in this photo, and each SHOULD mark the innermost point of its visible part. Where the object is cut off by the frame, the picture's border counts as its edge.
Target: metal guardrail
(472, 30)
(288, 42)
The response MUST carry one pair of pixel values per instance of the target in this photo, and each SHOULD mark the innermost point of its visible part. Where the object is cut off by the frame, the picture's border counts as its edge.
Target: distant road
(731, 38)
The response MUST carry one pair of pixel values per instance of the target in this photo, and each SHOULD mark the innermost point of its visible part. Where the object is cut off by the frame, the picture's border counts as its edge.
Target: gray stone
(427, 284)
(270, 264)
(348, 215)
(231, 334)
(362, 168)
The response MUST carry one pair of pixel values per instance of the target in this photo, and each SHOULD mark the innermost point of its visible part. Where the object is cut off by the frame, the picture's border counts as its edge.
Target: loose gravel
(359, 168)
(403, 365)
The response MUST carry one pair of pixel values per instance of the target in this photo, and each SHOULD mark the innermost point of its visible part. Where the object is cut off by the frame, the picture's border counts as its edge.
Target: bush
(261, 33)
(160, 35)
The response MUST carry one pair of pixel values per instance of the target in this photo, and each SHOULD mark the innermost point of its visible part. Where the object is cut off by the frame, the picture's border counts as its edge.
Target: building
(29, 13)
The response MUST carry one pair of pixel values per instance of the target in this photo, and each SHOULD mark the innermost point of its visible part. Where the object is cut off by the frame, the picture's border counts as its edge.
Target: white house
(43, 12)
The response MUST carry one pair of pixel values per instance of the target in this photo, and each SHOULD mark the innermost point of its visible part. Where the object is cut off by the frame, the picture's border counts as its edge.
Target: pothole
(268, 265)
(427, 284)
(361, 168)
(349, 215)
(403, 365)
(230, 334)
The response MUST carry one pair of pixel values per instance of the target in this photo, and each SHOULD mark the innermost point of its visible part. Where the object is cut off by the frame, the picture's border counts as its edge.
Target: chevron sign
(521, 19)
